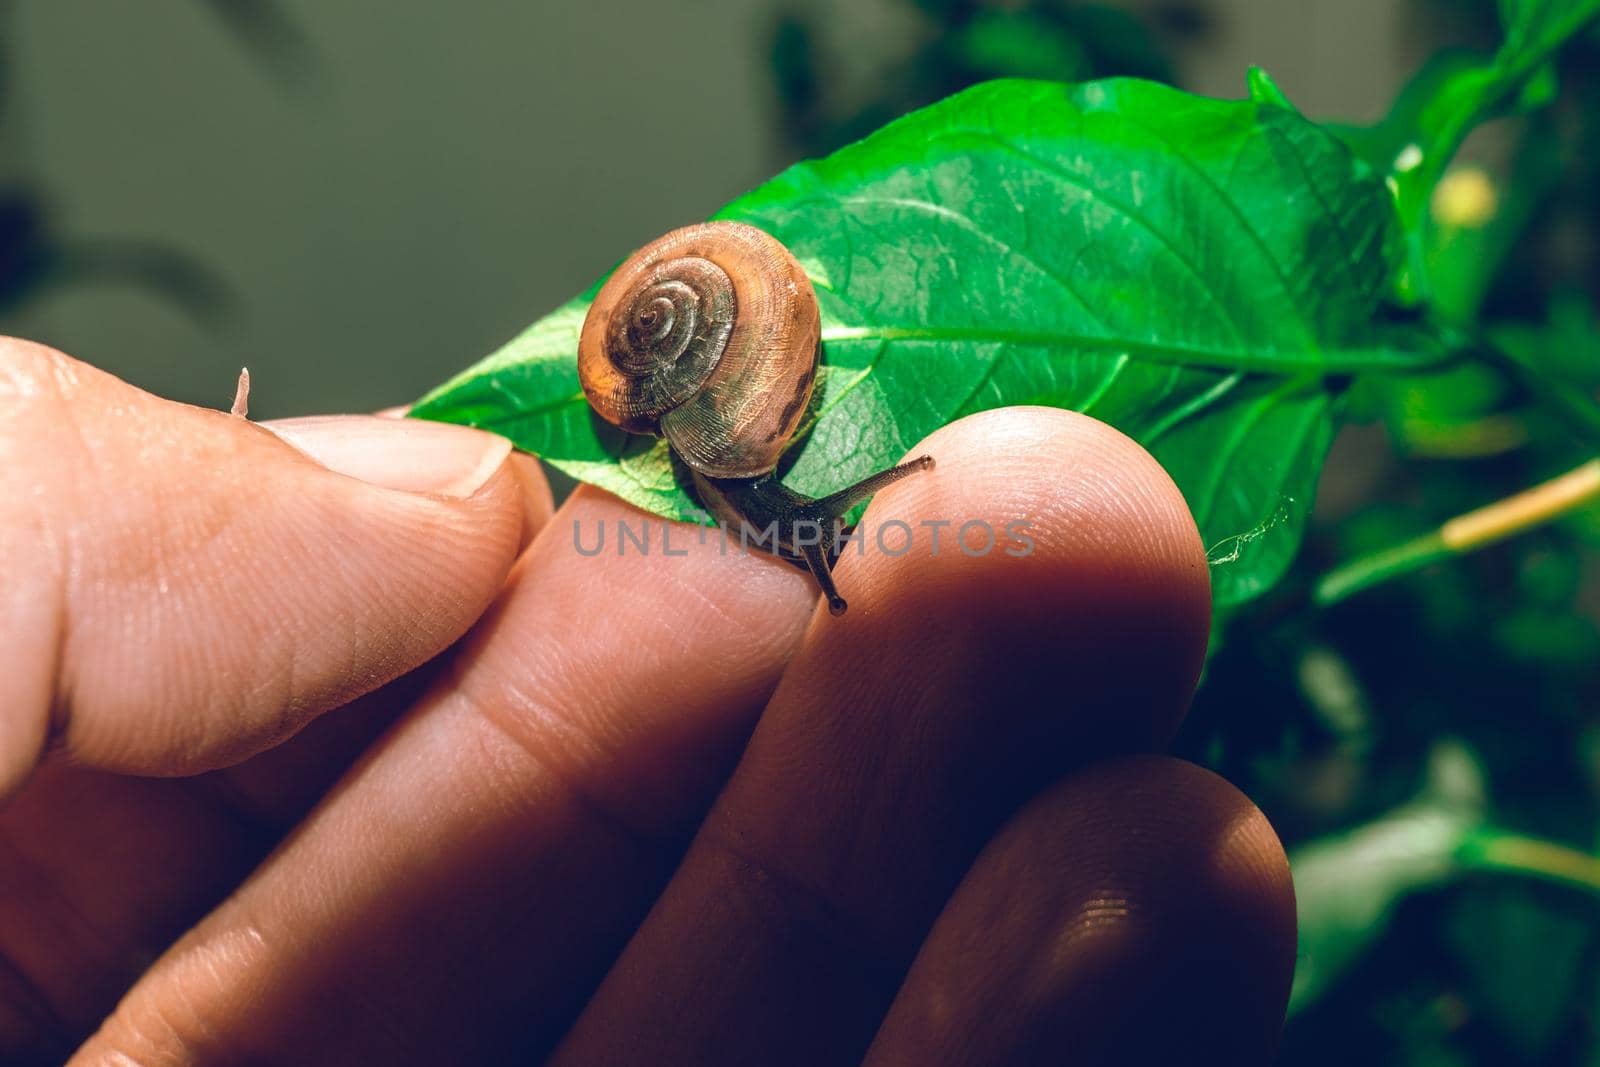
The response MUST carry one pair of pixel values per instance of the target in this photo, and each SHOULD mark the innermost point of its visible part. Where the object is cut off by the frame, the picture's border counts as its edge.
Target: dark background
(389, 191)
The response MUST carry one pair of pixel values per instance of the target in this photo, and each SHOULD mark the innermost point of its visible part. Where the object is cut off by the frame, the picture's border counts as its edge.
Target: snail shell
(708, 337)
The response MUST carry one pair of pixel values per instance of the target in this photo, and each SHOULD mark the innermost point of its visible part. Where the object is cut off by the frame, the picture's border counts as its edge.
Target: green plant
(1230, 282)
(946, 46)
(998, 248)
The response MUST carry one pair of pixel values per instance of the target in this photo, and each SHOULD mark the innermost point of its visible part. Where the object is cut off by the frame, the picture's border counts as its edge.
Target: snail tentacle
(764, 513)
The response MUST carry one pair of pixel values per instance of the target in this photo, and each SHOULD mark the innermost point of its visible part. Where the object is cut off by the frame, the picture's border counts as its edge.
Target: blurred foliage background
(358, 205)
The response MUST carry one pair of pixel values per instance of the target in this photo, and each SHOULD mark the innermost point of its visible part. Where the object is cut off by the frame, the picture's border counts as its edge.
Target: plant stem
(1502, 850)
(1466, 533)
(1498, 83)
(1573, 406)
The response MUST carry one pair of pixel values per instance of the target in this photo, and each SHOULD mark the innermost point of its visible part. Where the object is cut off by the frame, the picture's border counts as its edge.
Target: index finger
(493, 850)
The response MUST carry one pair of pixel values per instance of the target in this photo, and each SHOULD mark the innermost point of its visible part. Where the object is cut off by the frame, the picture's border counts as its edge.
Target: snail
(710, 337)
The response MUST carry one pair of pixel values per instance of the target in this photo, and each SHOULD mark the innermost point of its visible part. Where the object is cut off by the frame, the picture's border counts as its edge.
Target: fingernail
(407, 454)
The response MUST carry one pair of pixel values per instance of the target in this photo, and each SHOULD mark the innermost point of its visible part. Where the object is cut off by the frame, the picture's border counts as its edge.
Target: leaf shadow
(616, 443)
(820, 391)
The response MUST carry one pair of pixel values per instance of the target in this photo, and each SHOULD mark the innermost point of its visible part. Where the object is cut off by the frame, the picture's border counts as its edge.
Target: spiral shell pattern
(707, 336)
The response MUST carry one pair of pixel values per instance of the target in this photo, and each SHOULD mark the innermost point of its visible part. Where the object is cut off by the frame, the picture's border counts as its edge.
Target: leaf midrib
(1320, 362)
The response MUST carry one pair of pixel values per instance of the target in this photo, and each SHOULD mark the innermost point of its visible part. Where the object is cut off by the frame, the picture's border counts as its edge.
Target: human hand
(654, 809)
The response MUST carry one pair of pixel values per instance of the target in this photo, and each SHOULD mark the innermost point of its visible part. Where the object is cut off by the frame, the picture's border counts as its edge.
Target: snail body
(709, 337)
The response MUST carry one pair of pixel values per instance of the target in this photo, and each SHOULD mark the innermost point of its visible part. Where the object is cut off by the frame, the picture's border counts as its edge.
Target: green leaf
(1454, 93)
(1347, 885)
(1019, 44)
(1524, 957)
(1196, 272)
(1536, 28)
(1263, 90)
(528, 391)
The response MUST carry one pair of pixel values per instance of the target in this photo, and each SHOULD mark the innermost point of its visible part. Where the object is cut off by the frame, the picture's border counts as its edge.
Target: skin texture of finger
(100, 872)
(905, 732)
(1140, 912)
(537, 502)
(186, 588)
(462, 890)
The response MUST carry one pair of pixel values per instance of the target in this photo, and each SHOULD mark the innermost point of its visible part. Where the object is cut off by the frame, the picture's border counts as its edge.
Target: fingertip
(1139, 911)
(272, 571)
(1093, 494)
(410, 455)
(1230, 858)
(538, 502)
(1055, 532)
(1212, 900)
(440, 508)
(1223, 909)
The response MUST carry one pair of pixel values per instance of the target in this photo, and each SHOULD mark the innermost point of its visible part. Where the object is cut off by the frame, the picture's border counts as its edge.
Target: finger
(535, 496)
(102, 872)
(492, 852)
(185, 588)
(1140, 912)
(905, 732)
(536, 489)
(171, 849)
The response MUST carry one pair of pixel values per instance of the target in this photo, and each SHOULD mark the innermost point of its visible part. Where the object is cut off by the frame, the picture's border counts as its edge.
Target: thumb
(180, 588)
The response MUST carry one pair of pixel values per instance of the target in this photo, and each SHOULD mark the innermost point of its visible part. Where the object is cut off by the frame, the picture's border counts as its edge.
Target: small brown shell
(707, 336)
